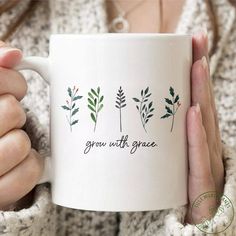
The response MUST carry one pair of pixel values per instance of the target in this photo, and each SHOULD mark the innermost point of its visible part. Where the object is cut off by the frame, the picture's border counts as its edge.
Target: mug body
(118, 120)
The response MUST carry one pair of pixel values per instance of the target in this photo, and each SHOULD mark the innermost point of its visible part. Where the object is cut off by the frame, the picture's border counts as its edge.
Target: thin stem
(172, 124)
(120, 120)
(176, 109)
(97, 107)
(70, 113)
(140, 111)
(173, 116)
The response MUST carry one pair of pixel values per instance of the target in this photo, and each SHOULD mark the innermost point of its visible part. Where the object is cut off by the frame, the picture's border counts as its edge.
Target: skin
(21, 166)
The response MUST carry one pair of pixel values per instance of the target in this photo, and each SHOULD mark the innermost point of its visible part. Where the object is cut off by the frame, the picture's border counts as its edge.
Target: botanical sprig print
(120, 103)
(144, 107)
(95, 104)
(173, 108)
(71, 106)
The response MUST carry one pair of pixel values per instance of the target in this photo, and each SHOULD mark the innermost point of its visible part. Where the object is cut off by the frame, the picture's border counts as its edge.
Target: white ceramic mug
(118, 119)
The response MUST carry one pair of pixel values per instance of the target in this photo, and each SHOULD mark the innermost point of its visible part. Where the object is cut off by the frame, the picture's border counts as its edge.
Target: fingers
(199, 159)
(12, 82)
(200, 46)
(9, 57)
(200, 176)
(201, 95)
(20, 180)
(14, 147)
(12, 114)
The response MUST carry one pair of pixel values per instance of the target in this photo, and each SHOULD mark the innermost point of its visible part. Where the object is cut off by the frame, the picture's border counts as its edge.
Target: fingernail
(204, 62)
(4, 50)
(197, 108)
(204, 31)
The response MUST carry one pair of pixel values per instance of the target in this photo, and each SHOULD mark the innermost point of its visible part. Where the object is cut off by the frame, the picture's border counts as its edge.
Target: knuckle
(11, 106)
(9, 101)
(22, 142)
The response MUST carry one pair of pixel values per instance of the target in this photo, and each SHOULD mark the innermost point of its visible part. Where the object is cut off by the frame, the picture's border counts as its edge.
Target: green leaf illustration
(93, 117)
(146, 90)
(91, 108)
(136, 100)
(168, 109)
(93, 91)
(91, 102)
(74, 122)
(168, 101)
(171, 111)
(176, 99)
(71, 106)
(75, 111)
(172, 92)
(95, 104)
(165, 116)
(90, 95)
(100, 107)
(69, 91)
(145, 108)
(65, 107)
(77, 97)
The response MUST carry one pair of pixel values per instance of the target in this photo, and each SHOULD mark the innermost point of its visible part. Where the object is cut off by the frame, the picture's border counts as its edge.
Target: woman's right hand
(20, 165)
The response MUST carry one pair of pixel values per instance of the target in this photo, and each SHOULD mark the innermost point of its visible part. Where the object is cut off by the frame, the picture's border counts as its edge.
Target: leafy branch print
(172, 106)
(120, 103)
(144, 107)
(71, 106)
(95, 104)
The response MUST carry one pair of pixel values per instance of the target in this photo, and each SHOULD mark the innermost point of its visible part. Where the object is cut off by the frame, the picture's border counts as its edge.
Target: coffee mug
(117, 119)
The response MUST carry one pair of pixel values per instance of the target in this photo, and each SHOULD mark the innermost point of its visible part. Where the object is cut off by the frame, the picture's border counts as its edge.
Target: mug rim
(122, 35)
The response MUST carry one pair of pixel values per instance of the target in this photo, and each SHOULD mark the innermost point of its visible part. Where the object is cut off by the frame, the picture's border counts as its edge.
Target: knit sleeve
(171, 222)
(37, 219)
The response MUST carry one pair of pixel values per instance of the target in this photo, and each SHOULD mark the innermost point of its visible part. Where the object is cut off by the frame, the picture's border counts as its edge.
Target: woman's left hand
(206, 170)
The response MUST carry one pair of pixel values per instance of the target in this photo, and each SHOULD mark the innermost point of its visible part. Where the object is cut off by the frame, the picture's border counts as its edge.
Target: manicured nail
(197, 108)
(204, 31)
(204, 62)
(201, 31)
(4, 50)
(198, 112)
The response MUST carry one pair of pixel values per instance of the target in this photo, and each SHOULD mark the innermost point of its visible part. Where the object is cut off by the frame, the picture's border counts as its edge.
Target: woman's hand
(206, 170)
(20, 166)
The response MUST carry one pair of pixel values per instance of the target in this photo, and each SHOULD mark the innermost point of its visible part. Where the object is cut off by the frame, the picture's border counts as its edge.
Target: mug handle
(41, 66)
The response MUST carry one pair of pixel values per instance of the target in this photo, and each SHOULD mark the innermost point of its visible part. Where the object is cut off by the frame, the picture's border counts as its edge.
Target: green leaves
(171, 111)
(168, 101)
(76, 98)
(69, 91)
(70, 107)
(136, 100)
(75, 111)
(165, 116)
(172, 92)
(144, 107)
(95, 104)
(93, 117)
(65, 107)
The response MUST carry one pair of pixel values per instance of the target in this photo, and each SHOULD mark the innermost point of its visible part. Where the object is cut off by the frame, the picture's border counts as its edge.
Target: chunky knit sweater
(89, 16)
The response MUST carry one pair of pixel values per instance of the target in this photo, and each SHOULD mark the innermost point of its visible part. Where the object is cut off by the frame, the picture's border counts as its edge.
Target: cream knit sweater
(89, 16)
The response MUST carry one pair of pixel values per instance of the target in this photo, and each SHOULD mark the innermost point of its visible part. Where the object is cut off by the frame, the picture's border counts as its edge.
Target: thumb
(9, 57)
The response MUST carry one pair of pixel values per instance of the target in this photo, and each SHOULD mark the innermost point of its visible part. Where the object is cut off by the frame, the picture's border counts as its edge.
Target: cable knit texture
(89, 16)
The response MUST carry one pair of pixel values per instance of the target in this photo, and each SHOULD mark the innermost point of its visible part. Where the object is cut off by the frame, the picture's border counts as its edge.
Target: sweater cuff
(220, 223)
(38, 218)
